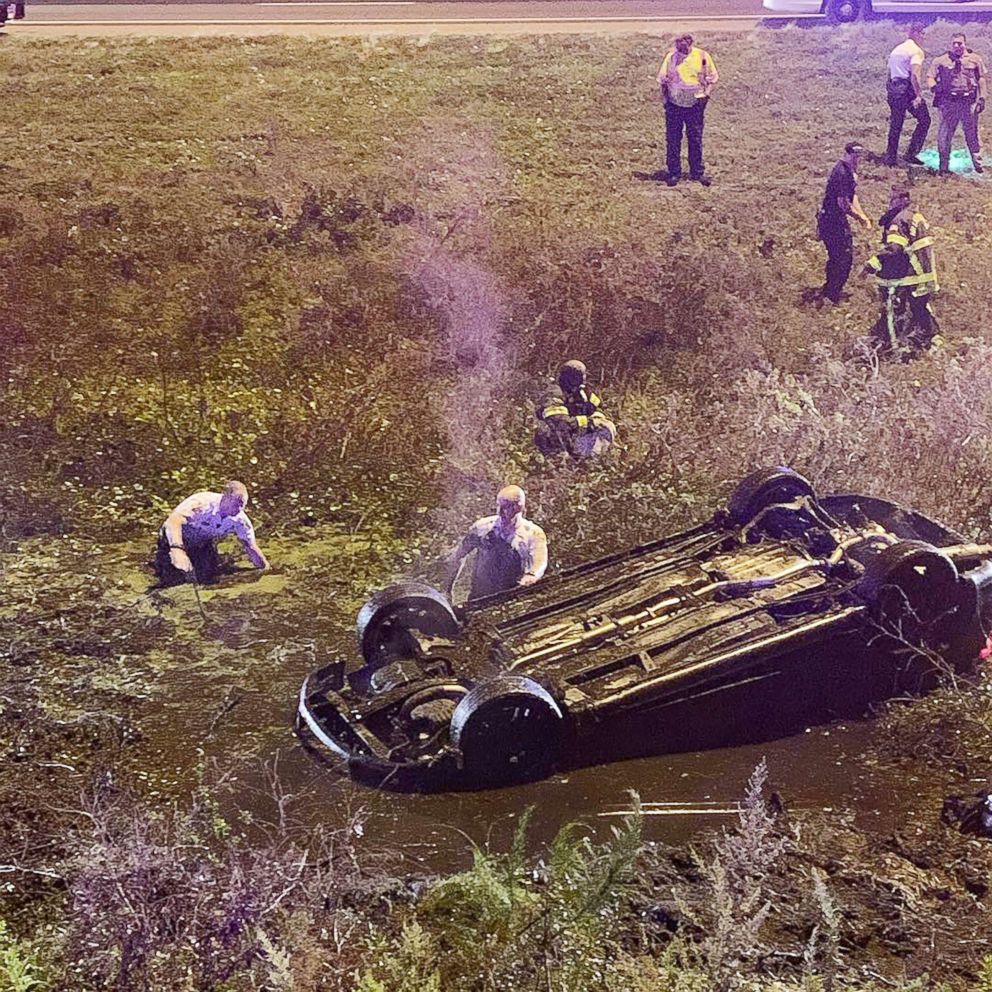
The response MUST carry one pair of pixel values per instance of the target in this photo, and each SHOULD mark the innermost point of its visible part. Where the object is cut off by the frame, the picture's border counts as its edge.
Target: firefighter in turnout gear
(570, 418)
(906, 277)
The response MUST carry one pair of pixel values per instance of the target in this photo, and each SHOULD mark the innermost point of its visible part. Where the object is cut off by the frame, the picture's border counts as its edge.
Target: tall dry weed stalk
(173, 898)
(733, 908)
(821, 957)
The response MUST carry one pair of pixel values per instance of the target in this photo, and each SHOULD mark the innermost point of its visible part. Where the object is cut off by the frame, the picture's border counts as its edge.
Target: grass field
(341, 270)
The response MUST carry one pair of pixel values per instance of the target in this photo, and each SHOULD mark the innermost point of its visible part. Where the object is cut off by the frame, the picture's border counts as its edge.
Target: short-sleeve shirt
(201, 521)
(505, 553)
(902, 59)
(842, 183)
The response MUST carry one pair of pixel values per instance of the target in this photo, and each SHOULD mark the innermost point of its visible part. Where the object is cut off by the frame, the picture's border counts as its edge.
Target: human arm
(916, 80)
(982, 87)
(710, 77)
(852, 208)
(174, 535)
(663, 74)
(538, 547)
(454, 562)
(246, 535)
(553, 409)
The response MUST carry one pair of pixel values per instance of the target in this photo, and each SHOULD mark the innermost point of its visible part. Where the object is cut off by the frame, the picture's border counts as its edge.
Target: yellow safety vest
(695, 74)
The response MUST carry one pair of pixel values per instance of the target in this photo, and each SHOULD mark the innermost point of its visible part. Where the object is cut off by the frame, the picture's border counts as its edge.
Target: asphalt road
(334, 17)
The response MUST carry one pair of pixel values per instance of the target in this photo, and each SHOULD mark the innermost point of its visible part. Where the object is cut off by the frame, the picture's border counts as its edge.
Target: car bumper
(793, 6)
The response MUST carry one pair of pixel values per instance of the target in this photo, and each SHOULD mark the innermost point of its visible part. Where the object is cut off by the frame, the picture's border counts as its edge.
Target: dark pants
(549, 440)
(899, 93)
(204, 558)
(691, 118)
(837, 239)
(906, 321)
(923, 327)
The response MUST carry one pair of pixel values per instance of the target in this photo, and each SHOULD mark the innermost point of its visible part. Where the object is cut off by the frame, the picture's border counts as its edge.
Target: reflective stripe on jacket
(907, 260)
(572, 409)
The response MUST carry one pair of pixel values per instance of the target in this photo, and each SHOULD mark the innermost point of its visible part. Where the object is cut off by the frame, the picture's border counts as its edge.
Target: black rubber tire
(508, 730)
(915, 588)
(396, 610)
(846, 11)
(765, 488)
(911, 578)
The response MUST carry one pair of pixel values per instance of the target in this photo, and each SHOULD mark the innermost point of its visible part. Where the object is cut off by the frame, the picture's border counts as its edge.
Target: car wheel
(918, 599)
(845, 11)
(508, 730)
(387, 621)
(765, 488)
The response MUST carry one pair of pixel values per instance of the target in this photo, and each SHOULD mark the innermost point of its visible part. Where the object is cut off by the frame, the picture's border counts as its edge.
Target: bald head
(234, 498)
(510, 501)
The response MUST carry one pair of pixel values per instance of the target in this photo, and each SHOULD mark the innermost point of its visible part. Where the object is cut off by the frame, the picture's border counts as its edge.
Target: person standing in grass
(906, 276)
(957, 79)
(904, 92)
(840, 201)
(686, 78)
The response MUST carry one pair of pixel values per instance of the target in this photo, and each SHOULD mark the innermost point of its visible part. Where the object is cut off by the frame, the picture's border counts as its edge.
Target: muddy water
(222, 684)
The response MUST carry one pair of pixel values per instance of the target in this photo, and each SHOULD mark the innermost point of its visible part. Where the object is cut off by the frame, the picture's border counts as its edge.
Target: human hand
(865, 220)
(527, 579)
(980, 105)
(180, 560)
(916, 102)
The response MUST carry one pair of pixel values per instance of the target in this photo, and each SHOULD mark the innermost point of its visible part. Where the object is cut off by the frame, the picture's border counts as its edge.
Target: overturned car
(783, 607)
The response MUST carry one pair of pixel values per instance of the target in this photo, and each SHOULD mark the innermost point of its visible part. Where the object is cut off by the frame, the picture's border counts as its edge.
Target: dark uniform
(18, 11)
(834, 229)
(906, 279)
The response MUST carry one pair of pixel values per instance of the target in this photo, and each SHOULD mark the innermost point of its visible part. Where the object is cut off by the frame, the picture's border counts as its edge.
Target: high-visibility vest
(693, 76)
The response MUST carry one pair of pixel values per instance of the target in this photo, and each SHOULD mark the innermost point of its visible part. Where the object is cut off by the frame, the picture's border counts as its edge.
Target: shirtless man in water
(187, 541)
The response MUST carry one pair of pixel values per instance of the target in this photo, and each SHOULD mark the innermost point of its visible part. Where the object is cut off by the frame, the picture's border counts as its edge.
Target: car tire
(910, 578)
(846, 11)
(765, 488)
(914, 589)
(507, 730)
(386, 621)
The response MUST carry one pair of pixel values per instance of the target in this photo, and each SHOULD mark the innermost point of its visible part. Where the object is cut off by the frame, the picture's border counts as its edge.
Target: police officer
(904, 93)
(906, 277)
(957, 79)
(840, 201)
(510, 550)
(570, 419)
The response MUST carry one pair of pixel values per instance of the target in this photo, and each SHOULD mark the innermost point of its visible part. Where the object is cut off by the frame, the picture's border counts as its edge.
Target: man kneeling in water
(187, 541)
